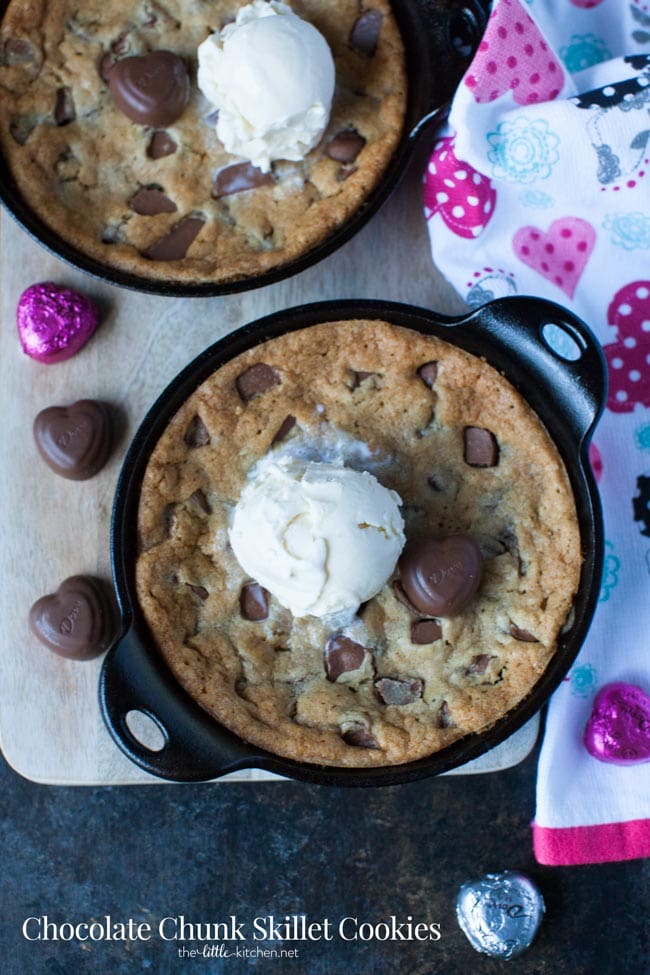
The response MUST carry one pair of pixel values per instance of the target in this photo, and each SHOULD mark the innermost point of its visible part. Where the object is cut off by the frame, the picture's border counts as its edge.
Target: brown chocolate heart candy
(78, 621)
(153, 89)
(75, 441)
(440, 575)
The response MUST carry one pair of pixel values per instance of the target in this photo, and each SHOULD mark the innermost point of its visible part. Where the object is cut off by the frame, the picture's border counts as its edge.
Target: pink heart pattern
(628, 358)
(464, 197)
(559, 255)
(513, 56)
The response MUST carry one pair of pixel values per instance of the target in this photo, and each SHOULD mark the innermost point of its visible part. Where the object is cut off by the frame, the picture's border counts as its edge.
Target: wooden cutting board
(50, 726)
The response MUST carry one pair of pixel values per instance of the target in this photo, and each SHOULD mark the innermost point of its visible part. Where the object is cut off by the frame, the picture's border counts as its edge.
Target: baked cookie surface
(389, 685)
(82, 165)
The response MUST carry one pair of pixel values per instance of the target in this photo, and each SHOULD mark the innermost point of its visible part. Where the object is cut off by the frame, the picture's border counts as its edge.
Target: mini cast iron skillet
(567, 395)
(439, 39)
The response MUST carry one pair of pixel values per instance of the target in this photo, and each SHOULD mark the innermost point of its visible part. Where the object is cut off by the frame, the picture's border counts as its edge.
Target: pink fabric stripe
(592, 844)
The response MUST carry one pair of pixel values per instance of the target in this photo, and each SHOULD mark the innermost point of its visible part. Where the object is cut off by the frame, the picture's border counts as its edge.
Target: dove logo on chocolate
(78, 621)
(440, 576)
(75, 441)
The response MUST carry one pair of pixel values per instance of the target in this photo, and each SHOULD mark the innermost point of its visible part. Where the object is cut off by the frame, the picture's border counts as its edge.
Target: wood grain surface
(50, 726)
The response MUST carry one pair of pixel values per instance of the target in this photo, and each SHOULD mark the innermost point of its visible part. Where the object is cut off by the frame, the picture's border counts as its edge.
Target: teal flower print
(583, 680)
(642, 437)
(584, 50)
(535, 198)
(610, 573)
(523, 151)
(631, 231)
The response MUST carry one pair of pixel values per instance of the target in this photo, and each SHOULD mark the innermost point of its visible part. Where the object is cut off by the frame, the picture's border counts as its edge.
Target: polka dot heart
(559, 255)
(513, 56)
(464, 198)
(629, 357)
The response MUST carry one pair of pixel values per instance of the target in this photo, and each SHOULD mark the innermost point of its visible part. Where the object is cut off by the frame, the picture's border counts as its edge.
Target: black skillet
(439, 38)
(567, 395)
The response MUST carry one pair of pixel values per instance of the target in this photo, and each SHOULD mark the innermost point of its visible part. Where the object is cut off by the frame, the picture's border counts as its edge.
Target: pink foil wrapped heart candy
(618, 730)
(54, 322)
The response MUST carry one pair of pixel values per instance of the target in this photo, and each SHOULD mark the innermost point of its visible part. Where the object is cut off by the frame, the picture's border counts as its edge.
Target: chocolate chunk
(358, 378)
(199, 498)
(402, 598)
(254, 602)
(365, 32)
(150, 200)
(398, 692)
(17, 50)
(255, 380)
(78, 621)
(161, 144)
(343, 655)
(64, 110)
(444, 716)
(359, 738)
(344, 172)
(524, 635)
(199, 591)
(169, 519)
(440, 576)
(425, 631)
(174, 245)
(481, 447)
(479, 664)
(284, 429)
(153, 89)
(239, 177)
(434, 485)
(75, 441)
(345, 146)
(105, 65)
(196, 434)
(121, 43)
(428, 373)
(22, 127)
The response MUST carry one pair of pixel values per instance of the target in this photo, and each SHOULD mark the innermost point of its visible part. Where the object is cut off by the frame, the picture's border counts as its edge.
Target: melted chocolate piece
(284, 429)
(425, 631)
(174, 245)
(444, 716)
(479, 664)
(199, 498)
(434, 485)
(17, 50)
(64, 109)
(359, 738)
(256, 380)
(78, 621)
(343, 655)
(199, 591)
(361, 377)
(365, 32)
(440, 576)
(153, 89)
(398, 692)
(239, 177)
(75, 441)
(161, 144)
(481, 447)
(524, 635)
(428, 373)
(106, 62)
(345, 146)
(22, 127)
(196, 434)
(254, 602)
(149, 201)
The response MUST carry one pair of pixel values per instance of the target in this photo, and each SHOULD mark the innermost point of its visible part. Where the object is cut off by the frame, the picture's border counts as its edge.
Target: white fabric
(534, 188)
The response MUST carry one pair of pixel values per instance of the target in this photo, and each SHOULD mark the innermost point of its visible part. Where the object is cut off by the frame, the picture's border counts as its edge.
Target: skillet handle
(131, 681)
(448, 33)
(557, 355)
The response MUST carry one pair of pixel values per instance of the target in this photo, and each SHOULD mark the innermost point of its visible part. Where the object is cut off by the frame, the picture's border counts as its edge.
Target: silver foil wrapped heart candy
(500, 914)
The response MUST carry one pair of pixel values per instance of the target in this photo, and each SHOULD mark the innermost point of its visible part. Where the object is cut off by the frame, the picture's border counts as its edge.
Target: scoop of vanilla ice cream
(321, 538)
(271, 76)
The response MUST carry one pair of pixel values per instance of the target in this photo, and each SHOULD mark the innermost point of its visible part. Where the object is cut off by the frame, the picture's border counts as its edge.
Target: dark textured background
(208, 851)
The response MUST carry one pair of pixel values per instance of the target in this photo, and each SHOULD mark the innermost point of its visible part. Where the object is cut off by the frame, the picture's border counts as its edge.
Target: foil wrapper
(618, 730)
(53, 322)
(500, 914)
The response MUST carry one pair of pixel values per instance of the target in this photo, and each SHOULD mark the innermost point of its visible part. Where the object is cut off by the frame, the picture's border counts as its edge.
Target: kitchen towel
(540, 184)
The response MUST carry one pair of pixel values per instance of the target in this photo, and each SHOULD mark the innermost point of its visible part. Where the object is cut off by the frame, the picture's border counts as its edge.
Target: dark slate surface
(209, 851)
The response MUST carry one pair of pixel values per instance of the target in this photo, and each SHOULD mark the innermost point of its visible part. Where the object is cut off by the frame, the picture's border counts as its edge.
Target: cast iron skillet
(567, 395)
(439, 38)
